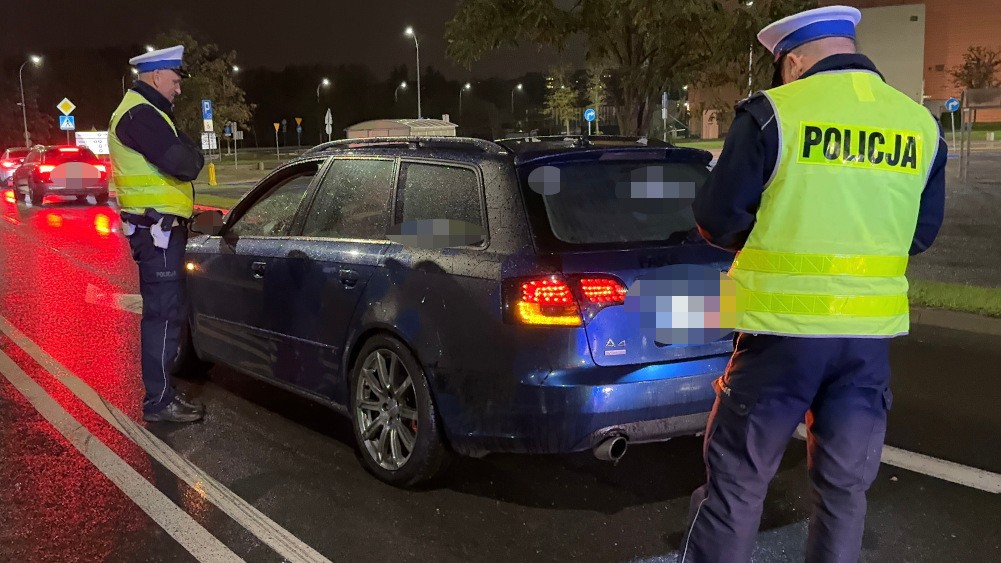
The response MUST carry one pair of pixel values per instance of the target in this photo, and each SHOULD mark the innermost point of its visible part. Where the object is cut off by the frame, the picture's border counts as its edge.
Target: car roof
(519, 150)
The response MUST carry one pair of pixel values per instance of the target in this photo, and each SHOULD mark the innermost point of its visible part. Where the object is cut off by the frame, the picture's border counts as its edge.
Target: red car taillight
(559, 301)
(102, 169)
(9, 164)
(44, 172)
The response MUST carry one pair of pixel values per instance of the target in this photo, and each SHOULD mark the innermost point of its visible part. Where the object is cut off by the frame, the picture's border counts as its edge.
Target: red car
(9, 161)
(62, 171)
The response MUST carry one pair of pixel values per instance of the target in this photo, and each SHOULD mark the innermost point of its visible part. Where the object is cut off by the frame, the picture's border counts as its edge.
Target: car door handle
(348, 277)
(257, 268)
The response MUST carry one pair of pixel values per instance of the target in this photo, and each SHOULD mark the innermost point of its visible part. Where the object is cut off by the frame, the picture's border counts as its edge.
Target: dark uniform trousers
(840, 388)
(161, 283)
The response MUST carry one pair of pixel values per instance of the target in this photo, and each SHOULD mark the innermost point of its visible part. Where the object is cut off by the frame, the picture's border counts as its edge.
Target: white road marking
(130, 302)
(176, 522)
(934, 467)
(253, 520)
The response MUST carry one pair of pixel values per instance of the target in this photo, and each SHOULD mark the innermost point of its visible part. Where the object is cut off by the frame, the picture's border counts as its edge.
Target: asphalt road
(268, 476)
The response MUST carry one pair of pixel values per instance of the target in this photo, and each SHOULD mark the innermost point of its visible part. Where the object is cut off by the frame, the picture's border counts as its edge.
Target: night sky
(267, 33)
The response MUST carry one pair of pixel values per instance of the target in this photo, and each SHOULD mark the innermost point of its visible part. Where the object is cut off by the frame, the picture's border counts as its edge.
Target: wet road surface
(269, 476)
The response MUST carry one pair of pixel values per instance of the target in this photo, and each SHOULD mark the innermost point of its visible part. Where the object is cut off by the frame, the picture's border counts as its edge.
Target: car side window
(353, 201)
(434, 191)
(272, 215)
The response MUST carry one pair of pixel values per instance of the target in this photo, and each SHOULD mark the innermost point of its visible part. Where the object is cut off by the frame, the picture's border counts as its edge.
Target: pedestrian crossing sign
(67, 122)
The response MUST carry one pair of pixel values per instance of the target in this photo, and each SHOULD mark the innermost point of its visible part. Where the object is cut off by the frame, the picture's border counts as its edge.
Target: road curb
(956, 320)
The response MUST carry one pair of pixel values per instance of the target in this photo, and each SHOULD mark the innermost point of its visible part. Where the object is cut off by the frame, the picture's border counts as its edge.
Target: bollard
(260, 166)
(212, 181)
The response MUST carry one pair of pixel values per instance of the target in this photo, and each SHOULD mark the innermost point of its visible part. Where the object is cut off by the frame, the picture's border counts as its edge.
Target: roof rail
(522, 144)
(412, 142)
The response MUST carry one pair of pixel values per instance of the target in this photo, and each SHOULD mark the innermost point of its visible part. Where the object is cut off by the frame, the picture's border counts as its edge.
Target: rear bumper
(52, 189)
(575, 410)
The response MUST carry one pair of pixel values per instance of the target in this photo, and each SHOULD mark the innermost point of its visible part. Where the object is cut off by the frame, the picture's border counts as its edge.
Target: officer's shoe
(176, 411)
(189, 402)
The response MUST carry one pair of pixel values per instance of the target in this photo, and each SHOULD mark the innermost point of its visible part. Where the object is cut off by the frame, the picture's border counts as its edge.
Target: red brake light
(101, 168)
(46, 168)
(69, 149)
(546, 301)
(603, 291)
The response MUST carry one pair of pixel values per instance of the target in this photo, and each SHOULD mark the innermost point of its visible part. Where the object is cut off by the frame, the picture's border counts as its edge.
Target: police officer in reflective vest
(154, 165)
(827, 183)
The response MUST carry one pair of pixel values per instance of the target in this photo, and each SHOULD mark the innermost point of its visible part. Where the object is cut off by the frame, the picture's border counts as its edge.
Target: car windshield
(617, 201)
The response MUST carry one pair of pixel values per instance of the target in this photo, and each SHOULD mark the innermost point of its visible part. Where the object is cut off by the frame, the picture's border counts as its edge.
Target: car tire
(102, 199)
(429, 455)
(188, 365)
(37, 196)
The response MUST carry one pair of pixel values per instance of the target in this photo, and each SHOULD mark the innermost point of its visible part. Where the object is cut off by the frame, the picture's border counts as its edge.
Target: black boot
(176, 411)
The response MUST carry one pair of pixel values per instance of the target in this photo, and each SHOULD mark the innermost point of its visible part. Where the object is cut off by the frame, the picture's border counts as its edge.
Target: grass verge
(956, 297)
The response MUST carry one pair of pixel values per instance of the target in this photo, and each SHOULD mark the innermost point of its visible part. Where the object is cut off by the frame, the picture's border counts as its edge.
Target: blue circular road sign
(590, 114)
(952, 104)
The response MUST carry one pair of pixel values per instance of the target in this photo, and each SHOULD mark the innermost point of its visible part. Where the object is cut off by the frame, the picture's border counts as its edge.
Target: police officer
(154, 165)
(826, 184)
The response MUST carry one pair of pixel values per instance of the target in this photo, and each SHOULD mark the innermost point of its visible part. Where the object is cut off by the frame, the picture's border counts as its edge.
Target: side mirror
(207, 223)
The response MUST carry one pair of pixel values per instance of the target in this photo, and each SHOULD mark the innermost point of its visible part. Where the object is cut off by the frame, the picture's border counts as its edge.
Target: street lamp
(519, 87)
(134, 73)
(324, 83)
(150, 48)
(396, 94)
(750, 58)
(236, 68)
(417, 45)
(35, 60)
(465, 88)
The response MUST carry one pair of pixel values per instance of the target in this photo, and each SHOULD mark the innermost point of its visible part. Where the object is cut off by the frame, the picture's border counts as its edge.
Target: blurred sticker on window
(436, 233)
(545, 180)
(684, 304)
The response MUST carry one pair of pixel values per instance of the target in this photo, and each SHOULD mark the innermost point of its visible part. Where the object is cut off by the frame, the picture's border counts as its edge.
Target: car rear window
(608, 202)
(69, 154)
(16, 153)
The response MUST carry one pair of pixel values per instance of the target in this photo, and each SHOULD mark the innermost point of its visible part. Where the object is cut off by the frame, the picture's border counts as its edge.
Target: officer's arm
(725, 207)
(932, 210)
(144, 130)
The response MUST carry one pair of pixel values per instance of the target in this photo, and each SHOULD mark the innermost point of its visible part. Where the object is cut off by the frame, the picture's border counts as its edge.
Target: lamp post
(417, 46)
(750, 58)
(465, 88)
(35, 60)
(134, 73)
(517, 88)
(396, 94)
(323, 83)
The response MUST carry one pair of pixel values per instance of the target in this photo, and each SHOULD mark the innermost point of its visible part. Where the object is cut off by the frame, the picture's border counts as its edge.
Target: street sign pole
(589, 116)
(277, 150)
(663, 113)
(951, 105)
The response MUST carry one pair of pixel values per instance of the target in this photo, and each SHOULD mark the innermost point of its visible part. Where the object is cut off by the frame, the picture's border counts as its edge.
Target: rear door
(622, 221)
(320, 280)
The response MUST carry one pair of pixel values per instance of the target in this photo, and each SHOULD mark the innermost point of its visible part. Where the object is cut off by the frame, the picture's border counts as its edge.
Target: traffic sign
(65, 106)
(96, 141)
(67, 122)
(277, 125)
(284, 125)
(298, 129)
(590, 114)
(227, 131)
(328, 119)
(952, 104)
(207, 125)
(298, 121)
(207, 110)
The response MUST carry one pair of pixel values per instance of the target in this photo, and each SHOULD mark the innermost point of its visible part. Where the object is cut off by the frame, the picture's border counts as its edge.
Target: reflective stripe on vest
(138, 184)
(829, 250)
(753, 259)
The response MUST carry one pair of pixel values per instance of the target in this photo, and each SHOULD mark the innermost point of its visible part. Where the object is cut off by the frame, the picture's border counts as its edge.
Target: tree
(646, 43)
(596, 90)
(212, 78)
(561, 99)
(979, 68)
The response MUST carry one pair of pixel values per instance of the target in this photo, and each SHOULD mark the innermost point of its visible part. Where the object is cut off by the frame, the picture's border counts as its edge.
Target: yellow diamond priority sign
(66, 106)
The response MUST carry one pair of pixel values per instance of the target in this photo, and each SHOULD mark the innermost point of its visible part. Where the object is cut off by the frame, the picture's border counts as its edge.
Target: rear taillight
(69, 149)
(102, 169)
(8, 164)
(561, 301)
(45, 172)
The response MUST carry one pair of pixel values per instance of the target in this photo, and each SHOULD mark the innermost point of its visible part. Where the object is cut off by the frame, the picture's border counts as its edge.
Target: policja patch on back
(860, 147)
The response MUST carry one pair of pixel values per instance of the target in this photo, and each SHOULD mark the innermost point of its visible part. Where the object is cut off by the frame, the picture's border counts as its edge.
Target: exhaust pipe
(611, 449)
